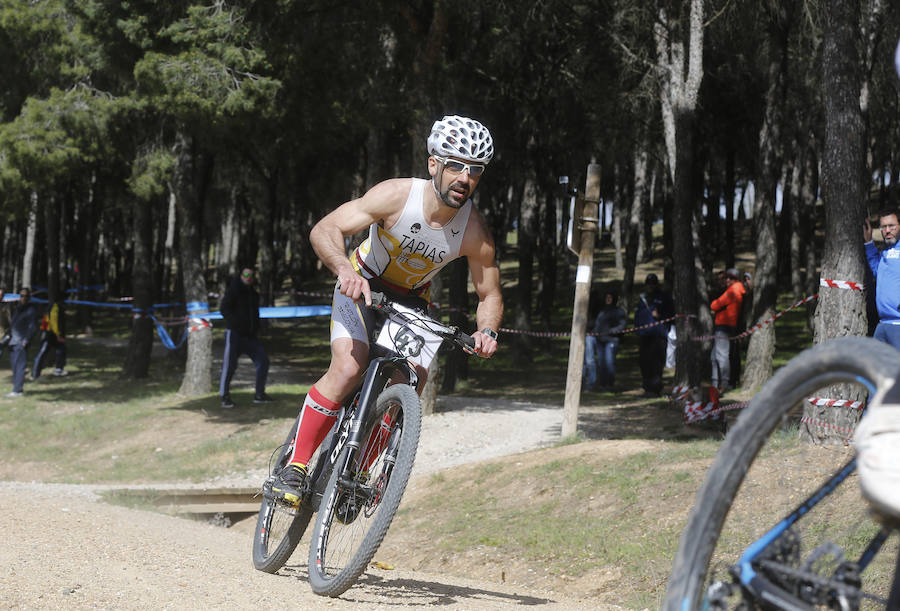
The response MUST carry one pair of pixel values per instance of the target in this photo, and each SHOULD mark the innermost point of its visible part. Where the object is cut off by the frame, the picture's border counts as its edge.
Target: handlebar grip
(467, 341)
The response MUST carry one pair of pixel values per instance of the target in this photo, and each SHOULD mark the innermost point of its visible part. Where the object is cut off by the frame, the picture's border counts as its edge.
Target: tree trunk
(457, 363)
(728, 191)
(795, 261)
(28, 259)
(528, 216)
(809, 197)
(51, 228)
(761, 349)
(633, 221)
(88, 248)
(197, 373)
(170, 261)
(140, 345)
(682, 71)
(547, 261)
(841, 312)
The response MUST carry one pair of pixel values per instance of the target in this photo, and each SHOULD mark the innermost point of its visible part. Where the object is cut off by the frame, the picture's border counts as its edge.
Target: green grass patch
(578, 515)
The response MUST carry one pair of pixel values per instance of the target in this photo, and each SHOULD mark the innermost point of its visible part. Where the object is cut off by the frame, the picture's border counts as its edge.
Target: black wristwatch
(490, 333)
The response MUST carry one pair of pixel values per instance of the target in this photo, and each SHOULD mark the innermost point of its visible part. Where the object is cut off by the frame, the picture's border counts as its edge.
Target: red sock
(316, 419)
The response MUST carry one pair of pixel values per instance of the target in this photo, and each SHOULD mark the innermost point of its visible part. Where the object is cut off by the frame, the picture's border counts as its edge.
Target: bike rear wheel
(358, 507)
(763, 468)
(279, 525)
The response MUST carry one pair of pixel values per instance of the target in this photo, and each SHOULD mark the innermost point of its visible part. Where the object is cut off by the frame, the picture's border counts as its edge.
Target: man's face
(247, 276)
(24, 296)
(889, 229)
(454, 180)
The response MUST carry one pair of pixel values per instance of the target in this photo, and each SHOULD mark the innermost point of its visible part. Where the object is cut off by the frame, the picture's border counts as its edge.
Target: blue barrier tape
(99, 304)
(283, 312)
(165, 338)
(196, 306)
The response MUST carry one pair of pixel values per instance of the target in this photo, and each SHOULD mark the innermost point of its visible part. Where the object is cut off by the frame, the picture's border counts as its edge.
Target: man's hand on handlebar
(353, 285)
(485, 345)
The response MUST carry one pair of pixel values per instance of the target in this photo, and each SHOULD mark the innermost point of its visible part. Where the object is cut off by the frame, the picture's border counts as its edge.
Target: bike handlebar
(462, 340)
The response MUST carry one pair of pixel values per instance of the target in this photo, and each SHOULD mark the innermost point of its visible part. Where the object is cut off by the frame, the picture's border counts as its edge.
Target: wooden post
(589, 223)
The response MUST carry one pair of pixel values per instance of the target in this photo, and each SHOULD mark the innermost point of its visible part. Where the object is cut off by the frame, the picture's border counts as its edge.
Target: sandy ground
(63, 548)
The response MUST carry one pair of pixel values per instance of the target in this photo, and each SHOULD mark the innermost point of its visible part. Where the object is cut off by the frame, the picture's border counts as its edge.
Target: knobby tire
(339, 553)
(837, 361)
(279, 527)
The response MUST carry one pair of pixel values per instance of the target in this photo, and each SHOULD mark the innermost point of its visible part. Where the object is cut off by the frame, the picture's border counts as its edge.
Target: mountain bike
(361, 470)
(820, 547)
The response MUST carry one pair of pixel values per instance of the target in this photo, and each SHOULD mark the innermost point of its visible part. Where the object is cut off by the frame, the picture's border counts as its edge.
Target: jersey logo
(455, 231)
(415, 228)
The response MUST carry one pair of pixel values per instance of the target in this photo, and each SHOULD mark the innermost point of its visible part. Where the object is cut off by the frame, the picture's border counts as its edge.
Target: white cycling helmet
(467, 139)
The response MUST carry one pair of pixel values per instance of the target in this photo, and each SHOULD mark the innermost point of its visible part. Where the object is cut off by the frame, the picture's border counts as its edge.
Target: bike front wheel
(360, 500)
(764, 468)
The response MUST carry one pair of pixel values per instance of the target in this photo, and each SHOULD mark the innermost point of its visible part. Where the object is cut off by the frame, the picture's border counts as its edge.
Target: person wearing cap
(415, 227)
(22, 327)
(240, 309)
(654, 305)
(726, 309)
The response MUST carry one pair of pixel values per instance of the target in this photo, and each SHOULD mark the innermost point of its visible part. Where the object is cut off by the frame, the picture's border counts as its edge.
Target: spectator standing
(604, 344)
(53, 336)
(653, 306)
(738, 345)
(885, 266)
(240, 309)
(727, 310)
(23, 325)
(4, 323)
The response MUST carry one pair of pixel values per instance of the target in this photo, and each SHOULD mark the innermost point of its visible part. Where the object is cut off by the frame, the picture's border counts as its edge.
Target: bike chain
(812, 577)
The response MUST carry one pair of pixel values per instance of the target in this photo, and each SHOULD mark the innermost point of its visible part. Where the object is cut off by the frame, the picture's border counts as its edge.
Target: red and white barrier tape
(197, 324)
(699, 411)
(760, 325)
(819, 401)
(842, 284)
(694, 411)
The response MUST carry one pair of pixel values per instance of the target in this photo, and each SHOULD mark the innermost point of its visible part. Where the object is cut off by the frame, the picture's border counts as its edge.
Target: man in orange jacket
(727, 309)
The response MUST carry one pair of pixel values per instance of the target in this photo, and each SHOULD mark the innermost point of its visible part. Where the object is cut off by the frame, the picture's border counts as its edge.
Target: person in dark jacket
(600, 348)
(240, 309)
(653, 305)
(22, 327)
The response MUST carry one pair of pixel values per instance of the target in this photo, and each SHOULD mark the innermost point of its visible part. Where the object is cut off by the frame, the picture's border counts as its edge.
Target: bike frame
(765, 590)
(348, 427)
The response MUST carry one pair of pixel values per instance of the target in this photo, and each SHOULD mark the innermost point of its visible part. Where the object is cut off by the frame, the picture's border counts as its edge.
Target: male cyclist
(415, 229)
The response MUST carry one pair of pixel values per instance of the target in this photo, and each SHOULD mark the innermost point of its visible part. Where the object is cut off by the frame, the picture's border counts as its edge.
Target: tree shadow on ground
(644, 419)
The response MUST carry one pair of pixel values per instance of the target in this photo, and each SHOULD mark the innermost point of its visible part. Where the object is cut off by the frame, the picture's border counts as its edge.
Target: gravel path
(65, 549)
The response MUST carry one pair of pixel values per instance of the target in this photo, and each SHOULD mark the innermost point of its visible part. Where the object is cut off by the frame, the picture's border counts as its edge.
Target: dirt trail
(65, 548)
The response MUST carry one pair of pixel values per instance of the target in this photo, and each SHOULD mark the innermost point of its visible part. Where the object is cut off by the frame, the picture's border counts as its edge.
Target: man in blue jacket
(885, 267)
(22, 327)
(240, 309)
(653, 306)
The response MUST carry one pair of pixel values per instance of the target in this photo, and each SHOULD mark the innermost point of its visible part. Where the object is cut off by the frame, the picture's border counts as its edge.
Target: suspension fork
(377, 375)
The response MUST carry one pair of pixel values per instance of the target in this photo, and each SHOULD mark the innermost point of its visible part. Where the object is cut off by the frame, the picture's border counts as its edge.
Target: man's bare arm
(480, 252)
(381, 203)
